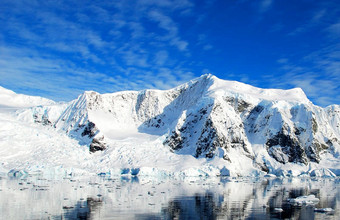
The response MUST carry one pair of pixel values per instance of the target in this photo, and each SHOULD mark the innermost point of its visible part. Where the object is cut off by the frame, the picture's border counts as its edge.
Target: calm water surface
(35, 197)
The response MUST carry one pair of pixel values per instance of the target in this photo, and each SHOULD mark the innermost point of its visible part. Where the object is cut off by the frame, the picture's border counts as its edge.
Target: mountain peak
(217, 87)
(6, 91)
(14, 100)
(223, 87)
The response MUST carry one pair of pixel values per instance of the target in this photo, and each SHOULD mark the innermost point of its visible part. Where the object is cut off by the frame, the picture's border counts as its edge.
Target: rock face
(208, 117)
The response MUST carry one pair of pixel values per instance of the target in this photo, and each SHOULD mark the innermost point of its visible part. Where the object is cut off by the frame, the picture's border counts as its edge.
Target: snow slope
(9, 98)
(204, 127)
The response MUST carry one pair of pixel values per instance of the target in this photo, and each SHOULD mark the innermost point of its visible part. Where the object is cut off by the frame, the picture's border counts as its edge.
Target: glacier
(206, 127)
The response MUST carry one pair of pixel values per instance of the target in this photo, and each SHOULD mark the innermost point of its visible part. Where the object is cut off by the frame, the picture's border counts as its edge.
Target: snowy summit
(206, 127)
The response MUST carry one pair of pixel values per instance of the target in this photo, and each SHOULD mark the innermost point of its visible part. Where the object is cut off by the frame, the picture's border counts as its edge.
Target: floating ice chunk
(269, 175)
(278, 210)
(17, 173)
(323, 210)
(304, 200)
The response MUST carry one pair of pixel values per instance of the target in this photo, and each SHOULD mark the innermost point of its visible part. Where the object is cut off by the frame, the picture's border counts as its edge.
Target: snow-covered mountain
(230, 127)
(9, 98)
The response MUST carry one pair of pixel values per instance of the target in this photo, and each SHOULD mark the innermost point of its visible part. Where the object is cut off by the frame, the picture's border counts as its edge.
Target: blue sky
(58, 49)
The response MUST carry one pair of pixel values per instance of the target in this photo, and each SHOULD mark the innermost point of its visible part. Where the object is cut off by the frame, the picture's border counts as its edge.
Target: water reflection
(128, 197)
(82, 210)
(199, 206)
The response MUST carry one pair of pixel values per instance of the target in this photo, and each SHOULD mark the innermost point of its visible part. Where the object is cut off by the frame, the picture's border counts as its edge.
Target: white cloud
(166, 23)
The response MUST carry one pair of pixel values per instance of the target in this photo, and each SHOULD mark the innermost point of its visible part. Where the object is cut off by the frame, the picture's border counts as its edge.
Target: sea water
(132, 197)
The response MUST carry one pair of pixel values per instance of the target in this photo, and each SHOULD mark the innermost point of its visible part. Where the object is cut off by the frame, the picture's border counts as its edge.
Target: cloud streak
(318, 76)
(42, 75)
(66, 43)
(265, 5)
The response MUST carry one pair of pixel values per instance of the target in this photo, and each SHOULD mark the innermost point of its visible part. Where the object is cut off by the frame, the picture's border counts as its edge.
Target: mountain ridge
(205, 118)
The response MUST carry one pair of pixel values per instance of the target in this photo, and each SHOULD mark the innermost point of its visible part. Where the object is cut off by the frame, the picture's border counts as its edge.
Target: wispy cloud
(334, 30)
(265, 5)
(315, 20)
(318, 75)
(168, 4)
(203, 42)
(321, 14)
(46, 75)
(83, 45)
(161, 57)
(166, 23)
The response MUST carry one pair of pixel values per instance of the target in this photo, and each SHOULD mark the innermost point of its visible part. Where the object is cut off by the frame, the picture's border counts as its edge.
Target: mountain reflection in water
(34, 197)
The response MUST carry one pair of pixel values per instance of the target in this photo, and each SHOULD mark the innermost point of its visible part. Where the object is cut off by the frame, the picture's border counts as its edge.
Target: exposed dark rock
(226, 157)
(179, 137)
(89, 130)
(43, 119)
(207, 141)
(257, 109)
(263, 167)
(238, 104)
(331, 142)
(298, 131)
(230, 100)
(210, 140)
(314, 151)
(279, 154)
(174, 141)
(155, 122)
(242, 105)
(284, 145)
(254, 113)
(97, 145)
(314, 125)
(93, 100)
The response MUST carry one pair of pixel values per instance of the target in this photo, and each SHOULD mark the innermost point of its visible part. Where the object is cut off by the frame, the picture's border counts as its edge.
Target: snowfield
(206, 127)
